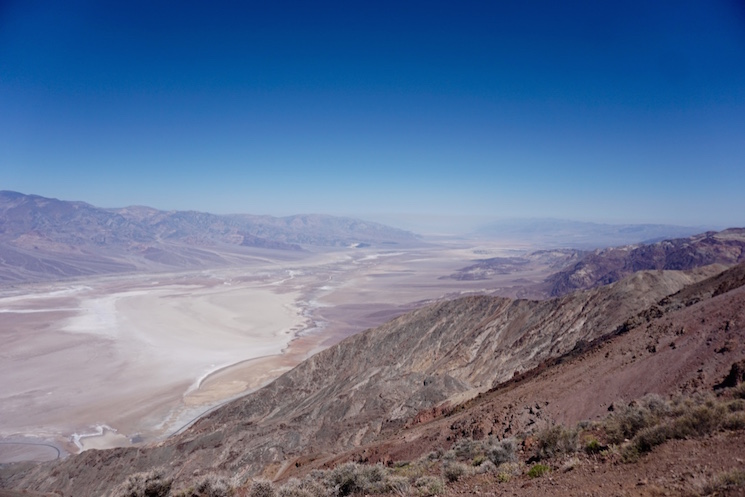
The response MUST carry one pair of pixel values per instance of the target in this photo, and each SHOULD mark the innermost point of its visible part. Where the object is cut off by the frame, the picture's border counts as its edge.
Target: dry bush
(729, 480)
(486, 467)
(454, 470)
(556, 440)
(467, 448)
(629, 420)
(500, 452)
(147, 484)
(398, 485)
(429, 485)
(350, 478)
(210, 486)
(570, 464)
(307, 487)
(262, 488)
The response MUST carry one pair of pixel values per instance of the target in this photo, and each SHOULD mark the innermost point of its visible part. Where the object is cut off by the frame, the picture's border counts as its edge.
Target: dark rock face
(606, 266)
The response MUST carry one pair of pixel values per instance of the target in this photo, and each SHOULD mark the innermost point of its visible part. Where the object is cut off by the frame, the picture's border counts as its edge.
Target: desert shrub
(467, 448)
(734, 421)
(399, 485)
(413, 470)
(343, 479)
(478, 460)
(626, 422)
(592, 446)
(570, 464)
(651, 437)
(486, 467)
(372, 479)
(436, 455)
(538, 470)
(454, 470)
(307, 487)
(350, 478)
(210, 486)
(503, 477)
(730, 480)
(556, 440)
(262, 488)
(698, 420)
(429, 485)
(502, 451)
(739, 391)
(147, 484)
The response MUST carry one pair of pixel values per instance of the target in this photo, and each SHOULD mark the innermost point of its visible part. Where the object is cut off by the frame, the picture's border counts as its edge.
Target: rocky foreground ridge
(378, 394)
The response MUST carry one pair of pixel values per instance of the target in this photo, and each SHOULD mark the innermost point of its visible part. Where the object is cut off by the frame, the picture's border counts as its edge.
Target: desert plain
(129, 359)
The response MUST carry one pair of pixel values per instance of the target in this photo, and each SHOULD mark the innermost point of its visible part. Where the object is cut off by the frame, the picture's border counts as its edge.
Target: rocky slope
(373, 385)
(45, 238)
(608, 265)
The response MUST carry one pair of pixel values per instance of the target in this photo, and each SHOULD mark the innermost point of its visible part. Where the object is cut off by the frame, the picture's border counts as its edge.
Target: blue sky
(602, 111)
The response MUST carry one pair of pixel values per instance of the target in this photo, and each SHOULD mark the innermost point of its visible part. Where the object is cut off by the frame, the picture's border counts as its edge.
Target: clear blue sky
(606, 111)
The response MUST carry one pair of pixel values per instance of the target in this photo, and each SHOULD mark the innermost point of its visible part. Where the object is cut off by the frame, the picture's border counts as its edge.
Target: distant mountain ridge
(43, 238)
(563, 233)
(605, 266)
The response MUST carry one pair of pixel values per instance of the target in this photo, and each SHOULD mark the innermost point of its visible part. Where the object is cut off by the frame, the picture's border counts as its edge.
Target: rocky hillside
(608, 265)
(376, 385)
(45, 238)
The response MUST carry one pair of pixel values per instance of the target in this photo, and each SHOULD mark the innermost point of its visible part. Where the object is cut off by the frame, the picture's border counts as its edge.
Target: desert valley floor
(119, 360)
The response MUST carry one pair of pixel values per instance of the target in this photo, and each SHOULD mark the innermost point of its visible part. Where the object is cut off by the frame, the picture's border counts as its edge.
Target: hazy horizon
(412, 113)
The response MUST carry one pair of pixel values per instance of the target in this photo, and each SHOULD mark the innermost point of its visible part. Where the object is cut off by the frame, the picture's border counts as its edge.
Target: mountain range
(45, 238)
(564, 233)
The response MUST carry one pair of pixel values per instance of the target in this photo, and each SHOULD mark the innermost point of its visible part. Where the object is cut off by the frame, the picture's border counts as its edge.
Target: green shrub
(147, 484)
(592, 446)
(538, 470)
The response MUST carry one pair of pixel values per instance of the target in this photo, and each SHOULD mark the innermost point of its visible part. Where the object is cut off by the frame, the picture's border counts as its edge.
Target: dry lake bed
(122, 360)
